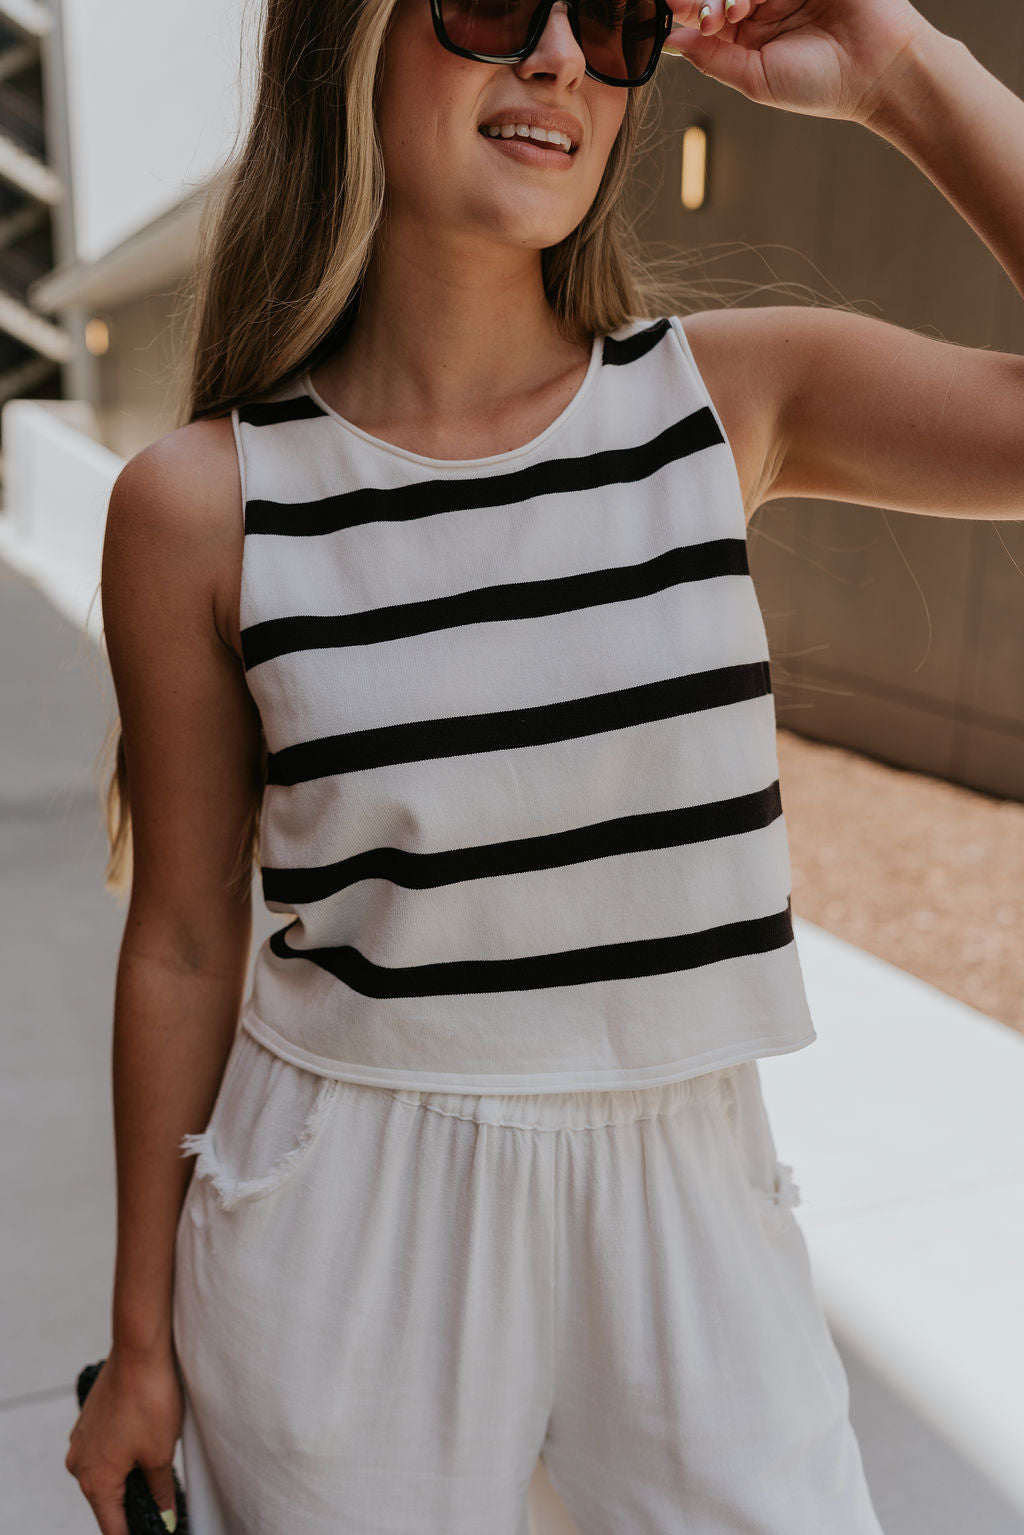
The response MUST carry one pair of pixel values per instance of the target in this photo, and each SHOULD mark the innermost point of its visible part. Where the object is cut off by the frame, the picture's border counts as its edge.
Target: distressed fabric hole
(266, 1119)
(778, 1202)
(769, 1179)
(786, 1191)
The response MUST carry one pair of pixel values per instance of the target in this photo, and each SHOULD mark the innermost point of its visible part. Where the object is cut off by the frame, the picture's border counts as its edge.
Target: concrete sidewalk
(61, 934)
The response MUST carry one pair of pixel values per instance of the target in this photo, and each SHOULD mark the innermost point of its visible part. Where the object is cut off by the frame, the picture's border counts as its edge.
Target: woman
(488, 1173)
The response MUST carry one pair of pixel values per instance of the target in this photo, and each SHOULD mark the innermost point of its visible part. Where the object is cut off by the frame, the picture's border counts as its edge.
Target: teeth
(524, 131)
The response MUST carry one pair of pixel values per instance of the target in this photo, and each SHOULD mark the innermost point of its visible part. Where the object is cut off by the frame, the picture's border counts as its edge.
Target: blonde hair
(286, 234)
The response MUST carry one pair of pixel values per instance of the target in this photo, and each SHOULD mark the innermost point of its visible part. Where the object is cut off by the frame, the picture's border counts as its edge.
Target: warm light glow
(695, 164)
(97, 337)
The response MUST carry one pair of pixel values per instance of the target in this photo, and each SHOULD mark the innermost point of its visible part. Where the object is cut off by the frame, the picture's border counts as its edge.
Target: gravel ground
(923, 873)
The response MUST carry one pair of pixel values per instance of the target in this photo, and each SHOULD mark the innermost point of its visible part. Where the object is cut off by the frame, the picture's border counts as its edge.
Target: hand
(825, 58)
(133, 1413)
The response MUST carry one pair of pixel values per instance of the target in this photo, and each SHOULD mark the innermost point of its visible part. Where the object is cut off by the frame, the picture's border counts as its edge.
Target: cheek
(607, 115)
(407, 125)
(606, 110)
(424, 92)
(408, 99)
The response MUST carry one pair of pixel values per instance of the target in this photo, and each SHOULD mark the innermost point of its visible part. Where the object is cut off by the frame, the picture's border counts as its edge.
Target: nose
(557, 53)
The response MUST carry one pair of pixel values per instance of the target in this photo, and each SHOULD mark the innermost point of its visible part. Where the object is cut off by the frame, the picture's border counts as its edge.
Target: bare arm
(883, 416)
(173, 542)
(822, 403)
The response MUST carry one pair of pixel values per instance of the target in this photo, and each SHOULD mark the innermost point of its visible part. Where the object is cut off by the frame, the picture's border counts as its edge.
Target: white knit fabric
(523, 802)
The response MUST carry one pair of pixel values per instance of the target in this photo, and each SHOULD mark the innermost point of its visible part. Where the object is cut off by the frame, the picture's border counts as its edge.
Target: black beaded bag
(140, 1510)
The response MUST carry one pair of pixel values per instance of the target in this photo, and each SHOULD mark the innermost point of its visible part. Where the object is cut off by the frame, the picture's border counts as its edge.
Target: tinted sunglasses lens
(618, 37)
(488, 26)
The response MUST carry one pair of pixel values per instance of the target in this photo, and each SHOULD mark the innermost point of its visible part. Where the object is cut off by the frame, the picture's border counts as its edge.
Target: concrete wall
(896, 634)
(154, 97)
(58, 477)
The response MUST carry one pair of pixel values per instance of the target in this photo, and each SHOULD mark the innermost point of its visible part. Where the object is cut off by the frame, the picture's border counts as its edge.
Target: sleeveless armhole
(684, 343)
(240, 454)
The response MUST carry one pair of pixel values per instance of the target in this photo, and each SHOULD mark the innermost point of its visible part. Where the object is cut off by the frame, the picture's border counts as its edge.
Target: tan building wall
(893, 633)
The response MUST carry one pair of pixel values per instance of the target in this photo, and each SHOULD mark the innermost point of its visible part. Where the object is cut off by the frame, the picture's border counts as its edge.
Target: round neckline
(464, 463)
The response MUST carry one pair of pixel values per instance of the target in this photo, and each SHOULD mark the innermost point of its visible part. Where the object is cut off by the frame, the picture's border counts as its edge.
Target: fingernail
(170, 1519)
(704, 13)
(729, 5)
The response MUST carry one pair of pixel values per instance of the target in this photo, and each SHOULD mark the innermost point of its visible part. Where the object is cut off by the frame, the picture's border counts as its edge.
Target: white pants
(388, 1303)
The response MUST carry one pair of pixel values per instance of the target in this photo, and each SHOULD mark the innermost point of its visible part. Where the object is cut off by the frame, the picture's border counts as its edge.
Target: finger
(109, 1511)
(719, 16)
(721, 59)
(160, 1480)
(107, 1505)
(685, 12)
(685, 24)
(711, 17)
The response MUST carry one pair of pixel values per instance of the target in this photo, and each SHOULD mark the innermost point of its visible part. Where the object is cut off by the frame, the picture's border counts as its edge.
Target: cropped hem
(521, 1082)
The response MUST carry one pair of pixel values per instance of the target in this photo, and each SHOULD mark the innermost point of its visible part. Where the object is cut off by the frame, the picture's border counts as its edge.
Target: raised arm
(850, 407)
(171, 561)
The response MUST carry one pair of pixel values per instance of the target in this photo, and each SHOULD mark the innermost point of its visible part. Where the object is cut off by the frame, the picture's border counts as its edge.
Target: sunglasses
(620, 39)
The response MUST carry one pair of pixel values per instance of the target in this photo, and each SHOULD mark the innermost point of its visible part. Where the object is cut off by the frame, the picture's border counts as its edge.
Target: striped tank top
(522, 805)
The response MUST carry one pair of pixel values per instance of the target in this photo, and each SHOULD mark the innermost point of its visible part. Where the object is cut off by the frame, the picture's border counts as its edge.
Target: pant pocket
(264, 1123)
(770, 1180)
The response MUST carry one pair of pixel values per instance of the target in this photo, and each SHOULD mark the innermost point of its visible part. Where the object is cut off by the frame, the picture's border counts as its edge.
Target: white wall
(57, 483)
(156, 90)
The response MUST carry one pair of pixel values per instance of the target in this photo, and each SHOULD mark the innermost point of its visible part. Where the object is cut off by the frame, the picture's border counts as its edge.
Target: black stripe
(575, 967)
(459, 735)
(273, 412)
(553, 850)
(491, 604)
(430, 498)
(633, 347)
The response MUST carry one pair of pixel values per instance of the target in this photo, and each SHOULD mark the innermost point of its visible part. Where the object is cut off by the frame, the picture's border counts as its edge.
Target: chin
(535, 228)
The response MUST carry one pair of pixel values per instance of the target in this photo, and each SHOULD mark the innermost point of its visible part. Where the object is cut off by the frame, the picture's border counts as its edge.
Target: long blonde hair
(286, 234)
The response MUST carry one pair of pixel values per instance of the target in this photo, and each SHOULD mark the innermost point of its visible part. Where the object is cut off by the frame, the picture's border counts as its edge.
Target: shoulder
(775, 346)
(752, 362)
(732, 343)
(176, 508)
(185, 483)
(731, 348)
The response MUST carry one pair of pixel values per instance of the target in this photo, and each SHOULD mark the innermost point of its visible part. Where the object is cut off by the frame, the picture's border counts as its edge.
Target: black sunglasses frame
(538, 21)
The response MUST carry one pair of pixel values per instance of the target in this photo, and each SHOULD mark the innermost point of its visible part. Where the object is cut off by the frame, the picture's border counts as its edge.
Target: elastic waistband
(587, 1110)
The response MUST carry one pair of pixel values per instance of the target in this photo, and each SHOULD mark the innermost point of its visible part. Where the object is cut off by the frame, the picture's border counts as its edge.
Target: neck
(444, 333)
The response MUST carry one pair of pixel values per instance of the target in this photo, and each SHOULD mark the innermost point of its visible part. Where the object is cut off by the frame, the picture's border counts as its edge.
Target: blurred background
(897, 647)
